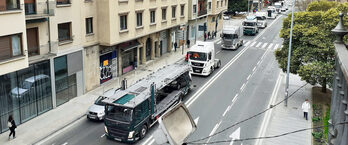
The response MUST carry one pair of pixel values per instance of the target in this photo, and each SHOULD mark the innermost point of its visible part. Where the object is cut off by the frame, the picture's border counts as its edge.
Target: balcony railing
(39, 10)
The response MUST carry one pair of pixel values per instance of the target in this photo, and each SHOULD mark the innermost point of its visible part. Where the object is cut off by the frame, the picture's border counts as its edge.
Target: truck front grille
(197, 64)
(197, 70)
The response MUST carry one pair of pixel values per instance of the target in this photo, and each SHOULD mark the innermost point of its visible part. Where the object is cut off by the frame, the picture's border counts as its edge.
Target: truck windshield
(229, 36)
(278, 6)
(249, 24)
(198, 56)
(260, 18)
(119, 113)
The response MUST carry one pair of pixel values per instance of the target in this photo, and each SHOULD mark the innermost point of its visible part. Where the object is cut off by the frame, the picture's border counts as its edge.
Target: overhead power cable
(258, 114)
(269, 137)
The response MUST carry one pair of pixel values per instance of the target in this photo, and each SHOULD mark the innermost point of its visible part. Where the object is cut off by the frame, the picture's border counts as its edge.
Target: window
(164, 14)
(139, 19)
(222, 3)
(89, 25)
(182, 10)
(152, 16)
(64, 31)
(62, 2)
(225, 2)
(173, 11)
(217, 4)
(209, 5)
(10, 46)
(9, 5)
(123, 22)
(213, 19)
(194, 9)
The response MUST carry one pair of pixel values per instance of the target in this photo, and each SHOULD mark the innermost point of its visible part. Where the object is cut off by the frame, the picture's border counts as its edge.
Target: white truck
(250, 26)
(231, 36)
(201, 58)
(261, 19)
(278, 7)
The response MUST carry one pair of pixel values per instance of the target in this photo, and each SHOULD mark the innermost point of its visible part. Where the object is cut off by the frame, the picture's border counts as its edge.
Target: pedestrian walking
(214, 33)
(209, 37)
(188, 43)
(305, 107)
(12, 126)
(175, 45)
(205, 36)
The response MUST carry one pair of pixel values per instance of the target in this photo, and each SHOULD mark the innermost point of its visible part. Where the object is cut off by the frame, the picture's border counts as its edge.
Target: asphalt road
(242, 88)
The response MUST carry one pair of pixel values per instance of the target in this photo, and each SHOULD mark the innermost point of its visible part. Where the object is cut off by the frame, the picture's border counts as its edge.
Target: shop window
(61, 79)
(89, 25)
(64, 32)
(10, 46)
(63, 2)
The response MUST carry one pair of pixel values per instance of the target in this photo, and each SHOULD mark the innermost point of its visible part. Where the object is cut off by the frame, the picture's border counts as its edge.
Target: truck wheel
(143, 131)
(219, 64)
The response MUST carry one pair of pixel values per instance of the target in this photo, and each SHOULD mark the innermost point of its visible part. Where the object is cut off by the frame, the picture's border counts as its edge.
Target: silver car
(97, 110)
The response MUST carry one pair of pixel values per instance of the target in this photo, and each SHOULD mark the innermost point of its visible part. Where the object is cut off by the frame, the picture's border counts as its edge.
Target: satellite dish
(175, 126)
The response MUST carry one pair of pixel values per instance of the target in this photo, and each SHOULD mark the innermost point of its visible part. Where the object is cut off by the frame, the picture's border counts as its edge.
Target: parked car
(97, 110)
(226, 17)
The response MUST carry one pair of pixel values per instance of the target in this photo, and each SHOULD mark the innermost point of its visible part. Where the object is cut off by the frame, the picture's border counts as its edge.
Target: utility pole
(248, 7)
(289, 55)
(196, 31)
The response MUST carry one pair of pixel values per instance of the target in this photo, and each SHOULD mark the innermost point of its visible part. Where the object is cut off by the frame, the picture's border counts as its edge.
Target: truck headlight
(106, 129)
(130, 135)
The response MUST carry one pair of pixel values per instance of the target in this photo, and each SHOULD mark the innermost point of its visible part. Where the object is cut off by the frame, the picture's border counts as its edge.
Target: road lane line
(102, 135)
(215, 128)
(152, 141)
(252, 44)
(258, 62)
(227, 109)
(270, 45)
(147, 140)
(65, 143)
(219, 73)
(264, 45)
(218, 52)
(267, 117)
(218, 42)
(259, 44)
(247, 44)
(235, 98)
(254, 68)
(242, 88)
(248, 77)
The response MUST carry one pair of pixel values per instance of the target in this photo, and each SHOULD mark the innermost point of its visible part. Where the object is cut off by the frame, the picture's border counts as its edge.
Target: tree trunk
(323, 88)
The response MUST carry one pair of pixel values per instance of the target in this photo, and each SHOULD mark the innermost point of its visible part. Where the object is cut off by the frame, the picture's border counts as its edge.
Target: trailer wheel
(143, 131)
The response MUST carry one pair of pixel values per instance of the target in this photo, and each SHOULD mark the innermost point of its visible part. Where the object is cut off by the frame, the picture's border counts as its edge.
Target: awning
(126, 46)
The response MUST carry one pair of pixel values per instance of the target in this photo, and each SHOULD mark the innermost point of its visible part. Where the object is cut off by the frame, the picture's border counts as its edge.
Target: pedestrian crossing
(262, 45)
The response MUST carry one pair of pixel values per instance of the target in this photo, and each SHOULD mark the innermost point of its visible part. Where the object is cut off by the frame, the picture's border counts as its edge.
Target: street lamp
(289, 55)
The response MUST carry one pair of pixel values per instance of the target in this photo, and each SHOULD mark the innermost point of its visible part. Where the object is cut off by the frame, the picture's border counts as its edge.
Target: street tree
(313, 53)
(238, 5)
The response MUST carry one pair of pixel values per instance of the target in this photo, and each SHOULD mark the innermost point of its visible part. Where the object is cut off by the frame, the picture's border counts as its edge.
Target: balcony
(39, 10)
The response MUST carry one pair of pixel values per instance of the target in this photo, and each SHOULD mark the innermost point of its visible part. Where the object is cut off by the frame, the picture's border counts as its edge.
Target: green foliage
(317, 135)
(313, 52)
(238, 5)
(316, 119)
(326, 123)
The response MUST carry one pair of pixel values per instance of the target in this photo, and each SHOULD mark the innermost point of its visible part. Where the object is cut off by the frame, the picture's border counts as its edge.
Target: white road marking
(258, 62)
(102, 135)
(276, 46)
(254, 68)
(218, 42)
(65, 143)
(252, 44)
(235, 98)
(152, 141)
(218, 52)
(242, 88)
(266, 119)
(258, 44)
(264, 45)
(248, 77)
(215, 128)
(247, 44)
(196, 120)
(227, 109)
(147, 140)
(270, 45)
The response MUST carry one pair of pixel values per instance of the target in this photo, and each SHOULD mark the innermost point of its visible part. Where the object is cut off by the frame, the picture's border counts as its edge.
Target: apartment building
(52, 50)
(205, 16)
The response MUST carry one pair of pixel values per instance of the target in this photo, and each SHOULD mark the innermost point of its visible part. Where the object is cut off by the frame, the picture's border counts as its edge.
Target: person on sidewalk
(188, 43)
(214, 34)
(205, 36)
(12, 126)
(209, 37)
(305, 107)
(175, 45)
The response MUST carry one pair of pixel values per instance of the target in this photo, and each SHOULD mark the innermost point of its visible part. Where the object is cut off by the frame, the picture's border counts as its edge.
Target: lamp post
(289, 55)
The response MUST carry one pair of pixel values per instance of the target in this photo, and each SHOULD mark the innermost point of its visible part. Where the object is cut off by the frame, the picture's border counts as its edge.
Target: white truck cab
(231, 36)
(201, 58)
(250, 26)
(261, 19)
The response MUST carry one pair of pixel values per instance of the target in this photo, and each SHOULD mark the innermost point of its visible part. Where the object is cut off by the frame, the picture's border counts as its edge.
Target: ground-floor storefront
(214, 23)
(196, 28)
(29, 92)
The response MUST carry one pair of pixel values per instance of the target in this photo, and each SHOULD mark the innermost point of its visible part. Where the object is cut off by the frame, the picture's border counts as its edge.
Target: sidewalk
(56, 119)
(286, 119)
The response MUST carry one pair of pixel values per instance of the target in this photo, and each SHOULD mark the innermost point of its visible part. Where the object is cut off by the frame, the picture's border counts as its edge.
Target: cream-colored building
(205, 16)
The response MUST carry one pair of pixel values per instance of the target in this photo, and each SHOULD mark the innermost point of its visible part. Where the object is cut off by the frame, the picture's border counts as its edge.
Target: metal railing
(39, 9)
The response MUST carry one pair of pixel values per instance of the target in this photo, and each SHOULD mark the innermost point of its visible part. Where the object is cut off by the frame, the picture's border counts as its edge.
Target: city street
(242, 87)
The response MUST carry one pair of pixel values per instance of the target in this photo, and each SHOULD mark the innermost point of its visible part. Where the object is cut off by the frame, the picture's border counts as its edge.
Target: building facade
(205, 16)
(52, 50)
(338, 132)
